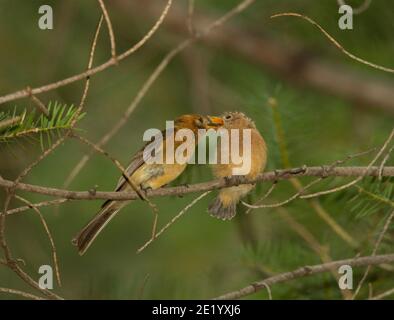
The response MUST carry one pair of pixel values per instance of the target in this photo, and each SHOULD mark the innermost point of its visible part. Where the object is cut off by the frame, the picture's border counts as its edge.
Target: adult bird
(145, 175)
(224, 205)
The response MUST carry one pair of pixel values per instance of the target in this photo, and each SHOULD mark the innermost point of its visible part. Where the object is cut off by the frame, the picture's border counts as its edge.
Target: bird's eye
(228, 117)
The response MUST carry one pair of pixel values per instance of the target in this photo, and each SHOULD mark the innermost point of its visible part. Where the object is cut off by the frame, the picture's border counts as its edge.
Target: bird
(145, 175)
(224, 205)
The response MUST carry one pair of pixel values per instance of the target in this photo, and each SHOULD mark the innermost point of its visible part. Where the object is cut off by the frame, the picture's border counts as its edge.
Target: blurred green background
(199, 256)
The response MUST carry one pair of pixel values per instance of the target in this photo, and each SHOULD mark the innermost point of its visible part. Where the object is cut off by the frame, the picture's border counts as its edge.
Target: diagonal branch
(20, 293)
(306, 271)
(61, 83)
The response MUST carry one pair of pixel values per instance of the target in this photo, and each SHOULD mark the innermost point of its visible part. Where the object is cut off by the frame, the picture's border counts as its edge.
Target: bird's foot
(234, 180)
(185, 185)
(144, 191)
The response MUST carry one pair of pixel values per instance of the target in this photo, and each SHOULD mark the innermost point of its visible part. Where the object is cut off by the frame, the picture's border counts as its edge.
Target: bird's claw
(325, 171)
(238, 180)
(185, 185)
(144, 192)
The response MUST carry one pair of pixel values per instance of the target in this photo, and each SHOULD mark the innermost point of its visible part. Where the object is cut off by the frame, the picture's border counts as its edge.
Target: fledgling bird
(145, 176)
(224, 205)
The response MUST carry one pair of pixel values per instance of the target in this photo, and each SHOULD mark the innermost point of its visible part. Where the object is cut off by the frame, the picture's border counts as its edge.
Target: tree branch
(20, 293)
(61, 83)
(294, 61)
(204, 186)
(110, 28)
(306, 271)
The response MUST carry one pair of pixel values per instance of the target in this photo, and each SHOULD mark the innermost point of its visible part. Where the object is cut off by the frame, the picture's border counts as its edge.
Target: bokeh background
(199, 256)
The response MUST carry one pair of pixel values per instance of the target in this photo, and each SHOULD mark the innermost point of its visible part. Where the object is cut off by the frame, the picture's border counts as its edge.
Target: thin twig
(37, 205)
(115, 162)
(109, 27)
(383, 295)
(284, 202)
(301, 190)
(384, 162)
(21, 293)
(335, 42)
(268, 290)
(347, 185)
(374, 196)
(61, 83)
(125, 175)
(10, 261)
(76, 115)
(375, 249)
(265, 196)
(39, 104)
(172, 221)
(48, 232)
(266, 52)
(306, 271)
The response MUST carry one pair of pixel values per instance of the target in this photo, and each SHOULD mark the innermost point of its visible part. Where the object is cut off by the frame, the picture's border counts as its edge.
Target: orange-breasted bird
(145, 175)
(224, 205)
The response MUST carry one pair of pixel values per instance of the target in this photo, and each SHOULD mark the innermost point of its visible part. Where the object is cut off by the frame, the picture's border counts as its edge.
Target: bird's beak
(214, 122)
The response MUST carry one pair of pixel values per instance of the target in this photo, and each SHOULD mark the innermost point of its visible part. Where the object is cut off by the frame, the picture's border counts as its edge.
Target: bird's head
(195, 122)
(237, 120)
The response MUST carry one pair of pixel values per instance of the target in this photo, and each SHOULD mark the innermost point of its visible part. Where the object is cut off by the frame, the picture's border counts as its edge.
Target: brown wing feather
(137, 161)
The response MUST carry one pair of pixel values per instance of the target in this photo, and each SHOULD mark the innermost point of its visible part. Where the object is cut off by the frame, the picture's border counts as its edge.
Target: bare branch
(39, 104)
(383, 295)
(20, 293)
(291, 61)
(347, 185)
(61, 83)
(169, 224)
(384, 162)
(48, 232)
(37, 205)
(124, 174)
(204, 186)
(284, 202)
(109, 27)
(306, 271)
(335, 42)
(11, 262)
(265, 196)
(114, 161)
(375, 249)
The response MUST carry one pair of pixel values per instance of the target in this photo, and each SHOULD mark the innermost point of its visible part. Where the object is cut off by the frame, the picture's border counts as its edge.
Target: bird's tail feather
(86, 236)
(219, 210)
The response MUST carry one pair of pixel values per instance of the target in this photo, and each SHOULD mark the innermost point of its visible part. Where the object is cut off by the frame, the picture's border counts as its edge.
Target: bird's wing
(138, 160)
